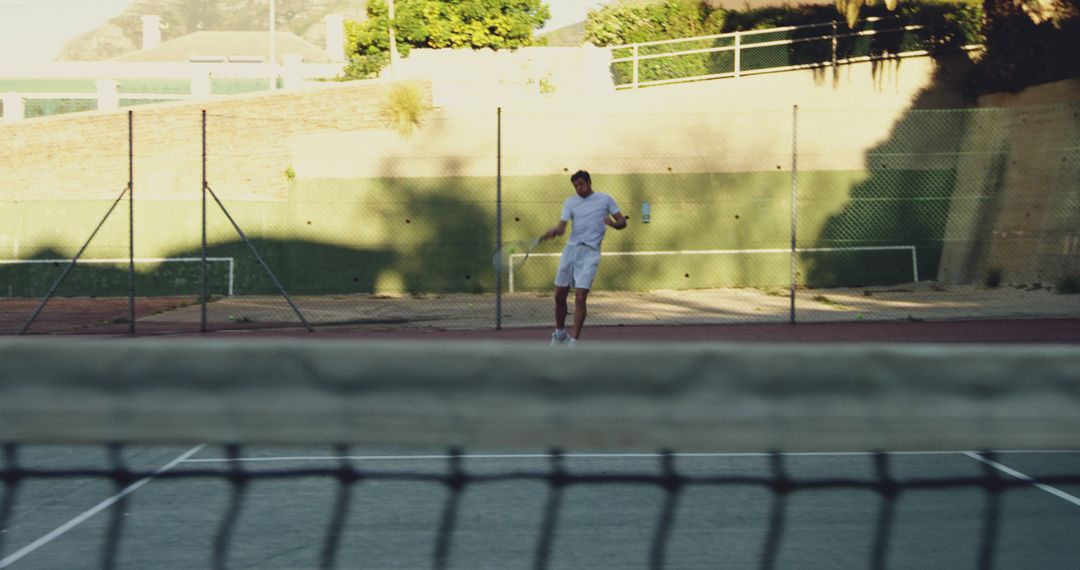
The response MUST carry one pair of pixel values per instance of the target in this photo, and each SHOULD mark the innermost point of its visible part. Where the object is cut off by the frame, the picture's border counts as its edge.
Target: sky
(34, 30)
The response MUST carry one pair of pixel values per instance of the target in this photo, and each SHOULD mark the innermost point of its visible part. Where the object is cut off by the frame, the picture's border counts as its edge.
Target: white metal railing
(292, 74)
(740, 45)
(175, 70)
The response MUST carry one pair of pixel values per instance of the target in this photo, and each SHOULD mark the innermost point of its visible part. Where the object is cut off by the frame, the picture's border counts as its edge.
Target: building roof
(229, 46)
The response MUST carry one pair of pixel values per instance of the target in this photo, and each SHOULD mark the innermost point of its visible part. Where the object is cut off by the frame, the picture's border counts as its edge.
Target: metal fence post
(205, 267)
(70, 266)
(834, 46)
(635, 66)
(794, 203)
(738, 53)
(131, 222)
(498, 216)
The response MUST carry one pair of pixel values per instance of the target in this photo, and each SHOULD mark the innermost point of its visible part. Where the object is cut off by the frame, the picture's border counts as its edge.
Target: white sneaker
(557, 339)
(572, 342)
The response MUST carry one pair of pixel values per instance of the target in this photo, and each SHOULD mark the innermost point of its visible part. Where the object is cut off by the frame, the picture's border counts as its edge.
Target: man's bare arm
(616, 220)
(556, 231)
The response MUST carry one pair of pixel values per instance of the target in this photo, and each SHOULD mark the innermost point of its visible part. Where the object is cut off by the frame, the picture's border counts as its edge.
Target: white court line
(22, 552)
(444, 457)
(1005, 469)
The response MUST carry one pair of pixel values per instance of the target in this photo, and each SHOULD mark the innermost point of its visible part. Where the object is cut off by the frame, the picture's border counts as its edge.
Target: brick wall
(85, 156)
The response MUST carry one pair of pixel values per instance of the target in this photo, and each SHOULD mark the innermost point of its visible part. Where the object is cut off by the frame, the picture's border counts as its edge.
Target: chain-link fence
(233, 220)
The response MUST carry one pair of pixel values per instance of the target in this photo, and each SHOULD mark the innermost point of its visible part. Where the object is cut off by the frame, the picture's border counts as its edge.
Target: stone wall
(1015, 217)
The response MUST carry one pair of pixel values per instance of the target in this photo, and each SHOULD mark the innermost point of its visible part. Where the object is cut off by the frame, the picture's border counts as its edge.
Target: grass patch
(403, 109)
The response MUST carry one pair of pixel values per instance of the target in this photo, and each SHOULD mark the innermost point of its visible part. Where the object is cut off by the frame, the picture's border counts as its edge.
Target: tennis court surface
(297, 453)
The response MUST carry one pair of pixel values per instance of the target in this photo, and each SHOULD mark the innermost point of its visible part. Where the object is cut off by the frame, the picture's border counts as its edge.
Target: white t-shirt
(587, 216)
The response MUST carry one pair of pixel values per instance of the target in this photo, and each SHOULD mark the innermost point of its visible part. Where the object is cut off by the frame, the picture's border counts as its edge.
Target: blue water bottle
(644, 212)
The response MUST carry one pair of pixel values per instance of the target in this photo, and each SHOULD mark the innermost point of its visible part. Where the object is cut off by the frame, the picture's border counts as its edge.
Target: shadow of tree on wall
(93, 298)
(444, 231)
(905, 200)
(394, 235)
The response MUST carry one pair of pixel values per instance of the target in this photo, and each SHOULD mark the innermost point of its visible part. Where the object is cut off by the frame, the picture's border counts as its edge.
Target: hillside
(123, 34)
(566, 36)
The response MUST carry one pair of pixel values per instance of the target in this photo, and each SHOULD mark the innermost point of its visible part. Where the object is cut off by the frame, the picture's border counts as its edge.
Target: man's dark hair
(581, 174)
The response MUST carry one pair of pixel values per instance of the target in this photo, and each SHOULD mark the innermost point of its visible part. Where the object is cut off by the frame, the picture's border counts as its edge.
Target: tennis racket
(513, 254)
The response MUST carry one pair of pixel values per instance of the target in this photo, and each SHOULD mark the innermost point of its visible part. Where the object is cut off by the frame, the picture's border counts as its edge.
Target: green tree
(626, 23)
(1027, 43)
(620, 23)
(952, 23)
(477, 24)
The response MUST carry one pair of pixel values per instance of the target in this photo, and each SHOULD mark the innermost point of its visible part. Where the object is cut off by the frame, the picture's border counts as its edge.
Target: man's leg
(560, 307)
(580, 296)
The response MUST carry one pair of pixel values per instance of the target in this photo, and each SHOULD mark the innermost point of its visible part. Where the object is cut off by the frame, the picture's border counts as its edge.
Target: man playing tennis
(589, 212)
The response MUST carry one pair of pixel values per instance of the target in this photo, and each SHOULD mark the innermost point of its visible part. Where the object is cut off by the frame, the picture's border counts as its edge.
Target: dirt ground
(911, 312)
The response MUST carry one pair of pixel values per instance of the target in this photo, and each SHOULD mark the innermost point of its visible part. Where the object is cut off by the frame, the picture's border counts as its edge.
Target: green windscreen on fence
(839, 215)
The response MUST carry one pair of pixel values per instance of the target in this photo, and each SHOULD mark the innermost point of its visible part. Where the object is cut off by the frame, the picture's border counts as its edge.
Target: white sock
(560, 332)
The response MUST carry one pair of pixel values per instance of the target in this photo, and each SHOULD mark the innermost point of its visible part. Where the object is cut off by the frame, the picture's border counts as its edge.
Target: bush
(1025, 48)
(993, 279)
(947, 24)
(404, 108)
(495, 24)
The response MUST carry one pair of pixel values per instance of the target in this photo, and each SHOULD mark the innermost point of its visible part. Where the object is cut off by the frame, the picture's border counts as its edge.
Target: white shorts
(577, 267)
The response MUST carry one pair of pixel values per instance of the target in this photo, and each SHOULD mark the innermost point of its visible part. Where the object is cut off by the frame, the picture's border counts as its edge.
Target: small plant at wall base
(993, 279)
(1068, 285)
(547, 87)
(403, 109)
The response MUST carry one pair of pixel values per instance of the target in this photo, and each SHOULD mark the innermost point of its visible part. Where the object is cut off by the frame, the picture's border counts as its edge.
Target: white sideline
(472, 456)
(60, 530)
(1026, 478)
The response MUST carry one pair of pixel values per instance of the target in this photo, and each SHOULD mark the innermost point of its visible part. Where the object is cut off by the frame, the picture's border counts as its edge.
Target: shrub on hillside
(494, 24)
(1028, 44)
(946, 24)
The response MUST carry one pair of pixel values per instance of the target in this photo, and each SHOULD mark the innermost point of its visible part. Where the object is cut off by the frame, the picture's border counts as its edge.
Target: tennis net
(137, 453)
